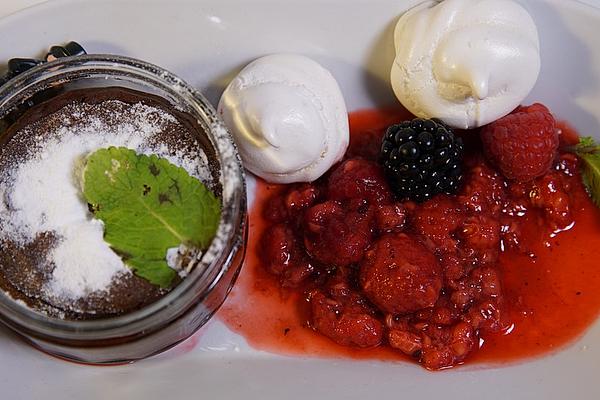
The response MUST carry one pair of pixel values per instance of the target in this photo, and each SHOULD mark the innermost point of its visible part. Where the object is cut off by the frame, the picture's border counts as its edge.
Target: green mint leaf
(591, 174)
(589, 152)
(148, 205)
(586, 141)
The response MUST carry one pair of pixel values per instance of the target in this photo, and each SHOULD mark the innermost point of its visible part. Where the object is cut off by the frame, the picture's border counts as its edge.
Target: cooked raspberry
(482, 189)
(568, 164)
(301, 196)
(398, 322)
(437, 219)
(275, 210)
(291, 201)
(517, 202)
(399, 275)
(486, 282)
(480, 234)
(463, 340)
(548, 194)
(338, 235)
(390, 217)
(485, 315)
(483, 283)
(436, 358)
(511, 233)
(523, 144)
(341, 287)
(359, 179)
(447, 346)
(333, 319)
(454, 269)
(297, 273)
(443, 313)
(407, 342)
(442, 316)
(284, 258)
(277, 244)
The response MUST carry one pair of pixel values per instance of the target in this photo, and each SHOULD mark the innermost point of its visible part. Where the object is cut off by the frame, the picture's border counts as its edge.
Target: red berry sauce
(498, 272)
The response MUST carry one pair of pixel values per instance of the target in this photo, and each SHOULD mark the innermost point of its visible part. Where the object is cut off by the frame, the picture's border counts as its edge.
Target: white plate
(205, 43)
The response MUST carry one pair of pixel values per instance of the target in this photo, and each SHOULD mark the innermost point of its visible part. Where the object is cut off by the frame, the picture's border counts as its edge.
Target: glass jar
(179, 313)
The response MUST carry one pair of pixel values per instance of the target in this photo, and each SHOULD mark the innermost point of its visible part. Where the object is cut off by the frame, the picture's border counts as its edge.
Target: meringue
(466, 62)
(287, 116)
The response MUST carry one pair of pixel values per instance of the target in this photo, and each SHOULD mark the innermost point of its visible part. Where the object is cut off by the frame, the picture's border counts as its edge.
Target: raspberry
(549, 194)
(359, 179)
(437, 219)
(399, 275)
(390, 218)
(523, 144)
(284, 257)
(336, 234)
(482, 189)
(480, 234)
(331, 318)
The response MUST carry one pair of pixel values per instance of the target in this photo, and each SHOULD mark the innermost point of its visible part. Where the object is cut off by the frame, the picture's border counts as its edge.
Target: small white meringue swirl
(467, 62)
(288, 118)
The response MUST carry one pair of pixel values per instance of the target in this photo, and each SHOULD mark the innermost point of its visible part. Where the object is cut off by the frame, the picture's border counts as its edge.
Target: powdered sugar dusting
(42, 194)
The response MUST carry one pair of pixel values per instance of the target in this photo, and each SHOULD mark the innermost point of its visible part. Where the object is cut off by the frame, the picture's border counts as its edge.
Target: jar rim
(229, 237)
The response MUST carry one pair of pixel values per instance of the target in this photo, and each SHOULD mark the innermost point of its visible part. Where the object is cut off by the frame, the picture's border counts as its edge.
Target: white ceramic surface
(205, 43)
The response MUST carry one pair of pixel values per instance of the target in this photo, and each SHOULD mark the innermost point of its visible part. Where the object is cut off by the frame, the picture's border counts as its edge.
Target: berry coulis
(547, 269)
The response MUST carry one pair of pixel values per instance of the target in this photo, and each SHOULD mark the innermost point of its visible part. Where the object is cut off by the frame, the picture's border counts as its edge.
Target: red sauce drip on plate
(550, 291)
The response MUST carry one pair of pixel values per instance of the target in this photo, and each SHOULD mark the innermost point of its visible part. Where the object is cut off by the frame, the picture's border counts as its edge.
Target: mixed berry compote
(496, 272)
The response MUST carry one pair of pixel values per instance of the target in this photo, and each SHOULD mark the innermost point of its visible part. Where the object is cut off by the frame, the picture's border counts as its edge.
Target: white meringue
(467, 62)
(288, 118)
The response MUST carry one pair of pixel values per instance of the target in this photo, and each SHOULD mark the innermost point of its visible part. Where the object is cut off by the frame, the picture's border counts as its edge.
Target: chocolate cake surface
(27, 269)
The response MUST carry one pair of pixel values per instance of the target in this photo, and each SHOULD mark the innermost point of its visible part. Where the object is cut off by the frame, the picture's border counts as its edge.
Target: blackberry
(422, 158)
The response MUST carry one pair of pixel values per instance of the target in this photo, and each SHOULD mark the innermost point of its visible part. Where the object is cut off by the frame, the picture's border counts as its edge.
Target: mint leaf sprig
(589, 152)
(148, 206)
